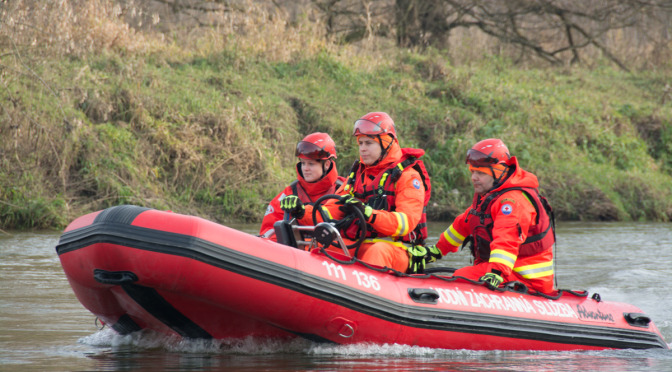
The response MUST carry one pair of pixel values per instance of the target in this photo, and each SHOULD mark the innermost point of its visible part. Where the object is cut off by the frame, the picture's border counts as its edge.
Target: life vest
(303, 195)
(382, 196)
(481, 223)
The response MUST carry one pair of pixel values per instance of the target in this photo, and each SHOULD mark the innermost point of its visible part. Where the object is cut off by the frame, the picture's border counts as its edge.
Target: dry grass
(59, 127)
(72, 27)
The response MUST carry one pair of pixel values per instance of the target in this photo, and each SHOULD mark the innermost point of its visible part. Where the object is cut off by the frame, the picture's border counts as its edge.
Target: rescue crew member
(390, 185)
(316, 175)
(509, 223)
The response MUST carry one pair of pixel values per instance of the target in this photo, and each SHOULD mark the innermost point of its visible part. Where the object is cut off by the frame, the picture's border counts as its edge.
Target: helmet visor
(367, 128)
(311, 151)
(479, 159)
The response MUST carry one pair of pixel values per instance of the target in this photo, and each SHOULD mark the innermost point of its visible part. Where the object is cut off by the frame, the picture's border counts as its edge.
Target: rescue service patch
(269, 210)
(507, 200)
(507, 209)
(416, 183)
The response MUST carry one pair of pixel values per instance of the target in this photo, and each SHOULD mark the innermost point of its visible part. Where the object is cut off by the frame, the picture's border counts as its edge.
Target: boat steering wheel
(327, 234)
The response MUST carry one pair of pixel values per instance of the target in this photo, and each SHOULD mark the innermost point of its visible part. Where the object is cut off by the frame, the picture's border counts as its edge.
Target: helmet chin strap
(498, 180)
(383, 151)
(324, 167)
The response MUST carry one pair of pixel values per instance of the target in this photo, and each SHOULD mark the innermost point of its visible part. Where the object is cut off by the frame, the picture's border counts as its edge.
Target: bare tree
(556, 31)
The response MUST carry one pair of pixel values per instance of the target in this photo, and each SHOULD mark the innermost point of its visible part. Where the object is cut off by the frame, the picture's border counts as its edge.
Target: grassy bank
(208, 126)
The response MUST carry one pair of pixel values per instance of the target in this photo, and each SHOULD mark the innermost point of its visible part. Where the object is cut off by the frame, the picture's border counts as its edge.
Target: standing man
(509, 223)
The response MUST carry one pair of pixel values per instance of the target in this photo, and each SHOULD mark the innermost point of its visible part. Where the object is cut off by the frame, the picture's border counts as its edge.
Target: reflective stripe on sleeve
(323, 209)
(536, 270)
(453, 237)
(503, 257)
(388, 240)
(402, 224)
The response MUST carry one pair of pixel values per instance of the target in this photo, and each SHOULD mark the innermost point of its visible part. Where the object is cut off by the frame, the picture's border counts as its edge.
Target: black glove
(419, 257)
(493, 280)
(293, 205)
(350, 202)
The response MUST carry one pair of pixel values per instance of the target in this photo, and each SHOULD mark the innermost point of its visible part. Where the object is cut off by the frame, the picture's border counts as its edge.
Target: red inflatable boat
(137, 268)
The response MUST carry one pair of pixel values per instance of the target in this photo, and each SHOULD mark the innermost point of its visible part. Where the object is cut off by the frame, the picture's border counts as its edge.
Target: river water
(43, 327)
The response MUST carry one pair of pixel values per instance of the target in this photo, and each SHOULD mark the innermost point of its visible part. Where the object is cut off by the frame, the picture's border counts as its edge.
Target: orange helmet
(487, 153)
(316, 146)
(374, 123)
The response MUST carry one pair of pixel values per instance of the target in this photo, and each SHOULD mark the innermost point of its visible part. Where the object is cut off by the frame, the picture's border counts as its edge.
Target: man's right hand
(492, 280)
(349, 203)
(419, 256)
(293, 205)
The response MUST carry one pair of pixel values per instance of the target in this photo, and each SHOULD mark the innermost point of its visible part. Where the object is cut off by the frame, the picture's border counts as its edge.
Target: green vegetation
(210, 129)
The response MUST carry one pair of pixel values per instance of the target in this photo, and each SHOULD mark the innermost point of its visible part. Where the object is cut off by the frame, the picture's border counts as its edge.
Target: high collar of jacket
(519, 177)
(320, 186)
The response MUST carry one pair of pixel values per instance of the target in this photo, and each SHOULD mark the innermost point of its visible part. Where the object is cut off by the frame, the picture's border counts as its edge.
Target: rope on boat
(514, 286)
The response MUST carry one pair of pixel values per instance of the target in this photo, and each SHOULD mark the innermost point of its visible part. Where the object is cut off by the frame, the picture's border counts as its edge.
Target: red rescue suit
(308, 193)
(387, 249)
(380, 192)
(511, 231)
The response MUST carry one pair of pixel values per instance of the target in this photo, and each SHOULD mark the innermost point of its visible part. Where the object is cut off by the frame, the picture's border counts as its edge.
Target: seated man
(390, 186)
(509, 223)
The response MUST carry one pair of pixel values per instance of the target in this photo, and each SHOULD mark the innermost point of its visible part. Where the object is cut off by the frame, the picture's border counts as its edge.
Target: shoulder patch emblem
(507, 209)
(416, 183)
(507, 200)
(269, 210)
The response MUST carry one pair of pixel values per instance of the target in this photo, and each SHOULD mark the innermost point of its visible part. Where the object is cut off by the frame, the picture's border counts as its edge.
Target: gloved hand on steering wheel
(419, 256)
(293, 205)
(349, 203)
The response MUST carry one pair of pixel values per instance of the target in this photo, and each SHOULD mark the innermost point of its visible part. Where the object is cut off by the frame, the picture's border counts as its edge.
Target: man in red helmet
(391, 187)
(509, 224)
(316, 175)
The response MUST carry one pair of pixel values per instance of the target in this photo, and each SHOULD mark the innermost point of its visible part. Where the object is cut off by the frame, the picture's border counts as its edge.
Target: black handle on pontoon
(114, 277)
(424, 295)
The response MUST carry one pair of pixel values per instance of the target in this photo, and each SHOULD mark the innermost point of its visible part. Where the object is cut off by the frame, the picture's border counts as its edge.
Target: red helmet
(316, 146)
(487, 153)
(374, 123)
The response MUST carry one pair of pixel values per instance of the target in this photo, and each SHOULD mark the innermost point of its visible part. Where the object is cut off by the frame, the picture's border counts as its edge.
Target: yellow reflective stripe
(389, 240)
(453, 237)
(326, 210)
(402, 224)
(536, 270)
(503, 257)
(382, 179)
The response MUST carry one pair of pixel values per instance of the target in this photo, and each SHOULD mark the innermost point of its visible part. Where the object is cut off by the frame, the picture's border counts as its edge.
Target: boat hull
(138, 268)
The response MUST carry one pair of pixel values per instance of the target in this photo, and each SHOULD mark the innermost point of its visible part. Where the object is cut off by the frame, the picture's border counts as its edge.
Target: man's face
(369, 149)
(482, 182)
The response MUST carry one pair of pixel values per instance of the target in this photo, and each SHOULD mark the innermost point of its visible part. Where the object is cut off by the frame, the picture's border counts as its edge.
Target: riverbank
(206, 124)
